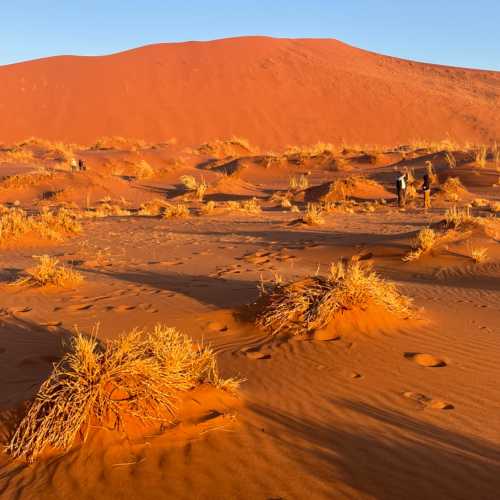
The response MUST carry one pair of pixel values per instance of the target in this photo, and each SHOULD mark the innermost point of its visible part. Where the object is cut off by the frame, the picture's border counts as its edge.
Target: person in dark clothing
(401, 190)
(81, 165)
(426, 187)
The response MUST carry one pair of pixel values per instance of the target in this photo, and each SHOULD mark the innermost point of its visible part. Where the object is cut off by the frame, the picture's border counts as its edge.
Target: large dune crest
(274, 92)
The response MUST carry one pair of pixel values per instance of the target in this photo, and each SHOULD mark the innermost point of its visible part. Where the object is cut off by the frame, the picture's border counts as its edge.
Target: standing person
(401, 190)
(73, 165)
(426, 187)
(81, 165)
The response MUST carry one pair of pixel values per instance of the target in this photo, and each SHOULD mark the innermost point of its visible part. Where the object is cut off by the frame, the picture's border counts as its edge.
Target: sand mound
(274, 92)
(341, 189)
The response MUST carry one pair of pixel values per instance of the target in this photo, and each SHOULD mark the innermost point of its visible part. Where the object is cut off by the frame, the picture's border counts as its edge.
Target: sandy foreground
(384, 408)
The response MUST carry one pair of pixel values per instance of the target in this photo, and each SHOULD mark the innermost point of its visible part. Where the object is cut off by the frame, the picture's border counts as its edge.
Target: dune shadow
(404, 458)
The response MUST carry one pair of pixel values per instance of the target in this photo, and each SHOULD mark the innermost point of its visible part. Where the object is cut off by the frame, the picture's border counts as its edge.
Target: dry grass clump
(250, 206)
(26, 180)
(108, 210)
(191, 184)
(49, 272)
(313, 216)
(153, 207)
(479, 254)
(15, 223)
(298, 184)
(480, 156)
(178, 210)
(453, 189)
(426, 240)
(433, 178)
(15, 155)
(458, 218)
(208, 207)
(450, 159)
(143, 170)
(139, 376)
(313, 302)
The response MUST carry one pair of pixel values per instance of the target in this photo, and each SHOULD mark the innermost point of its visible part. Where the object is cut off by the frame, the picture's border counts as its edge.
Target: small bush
(425, 241)
(480, 157)
(313, 215)
(300, 183)
(49, 272)
(139, 376)
(313, 302)
(457, 218)
(479, 255)
(178, 210)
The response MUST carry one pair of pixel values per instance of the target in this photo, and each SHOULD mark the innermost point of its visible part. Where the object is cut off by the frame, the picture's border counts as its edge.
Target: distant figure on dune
(401, 190)
(81, 165)
(426, 187)
(73, 165)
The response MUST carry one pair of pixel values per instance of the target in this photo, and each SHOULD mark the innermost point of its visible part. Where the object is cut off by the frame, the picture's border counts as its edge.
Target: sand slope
(274, 92)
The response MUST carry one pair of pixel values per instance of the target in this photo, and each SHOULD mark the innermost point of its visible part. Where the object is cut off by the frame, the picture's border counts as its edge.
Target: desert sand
(274, 92)
(375, 406)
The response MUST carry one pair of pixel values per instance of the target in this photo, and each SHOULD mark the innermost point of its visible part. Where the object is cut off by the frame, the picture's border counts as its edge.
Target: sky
(453, 32)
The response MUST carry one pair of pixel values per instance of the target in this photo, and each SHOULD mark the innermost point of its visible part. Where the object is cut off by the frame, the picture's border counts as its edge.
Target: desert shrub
(299, 183)
(453, 189)
(313, 215)
(479, 254)
(23, 156)
(450, 159)
(143, 170)
(208, 207)
(178, 210)
(250, 206)
(153, 207)
(49, 272)
(313, 302)
(189, 182)
(120, 143)
(457, 218)
(480, 157)
(15, 223)
(425, 241)
(139, 376)
(286, 203)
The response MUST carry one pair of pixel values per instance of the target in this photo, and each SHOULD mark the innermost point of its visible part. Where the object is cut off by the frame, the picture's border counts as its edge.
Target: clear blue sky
(454, 32)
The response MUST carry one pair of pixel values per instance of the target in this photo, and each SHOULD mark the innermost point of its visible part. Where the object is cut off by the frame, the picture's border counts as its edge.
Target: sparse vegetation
(453, 189)
(313, 302)
(479, 254)
(425, 241)
(480, 156)
(49, 272)
(138, 376)
(450, 159)
(15, 223)
(313, 215)
(299, 183)
(178, 210)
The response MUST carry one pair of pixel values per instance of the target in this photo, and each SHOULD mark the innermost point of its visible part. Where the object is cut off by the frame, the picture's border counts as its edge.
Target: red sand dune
(275, 92)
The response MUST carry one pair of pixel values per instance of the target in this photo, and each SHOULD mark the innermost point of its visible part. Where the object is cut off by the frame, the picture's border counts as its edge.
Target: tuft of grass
(313, 215)
(49, 272)
(453, 189)
(15, 223)
(153, 207)
(425, 241)
(178, 210)
(450, 159)
(313, 302)
(457, 218)
(479, 254)
(299, 183)
(140, 376)
(189, 182)
(480, 156)
(143, 170)
(431, 172)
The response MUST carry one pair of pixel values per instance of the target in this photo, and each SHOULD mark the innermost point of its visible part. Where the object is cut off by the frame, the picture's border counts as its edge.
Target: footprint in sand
(427, 360)
(120, 308)
(256, 354)
(428, 402)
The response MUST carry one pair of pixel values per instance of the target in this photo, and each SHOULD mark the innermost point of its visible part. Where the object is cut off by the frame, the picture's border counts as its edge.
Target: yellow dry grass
(426, 240)
(479, 254)
(178, 210)
(313, 302)
(140, 375)
(49, 272)
(15, 223)
(313, 216)
(298, 183)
